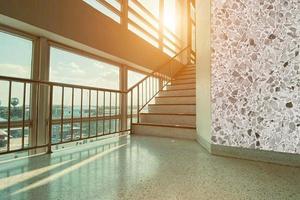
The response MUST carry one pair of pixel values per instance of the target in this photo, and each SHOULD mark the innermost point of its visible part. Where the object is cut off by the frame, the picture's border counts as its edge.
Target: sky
(65, 67)
(15, 61)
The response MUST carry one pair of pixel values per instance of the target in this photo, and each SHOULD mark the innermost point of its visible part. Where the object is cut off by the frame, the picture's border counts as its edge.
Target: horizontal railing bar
(16, 124)
(155, 71)
(84, 119)
(49, 83)
(23, 149)
(91, 137)
(64, 142)
(152, 74)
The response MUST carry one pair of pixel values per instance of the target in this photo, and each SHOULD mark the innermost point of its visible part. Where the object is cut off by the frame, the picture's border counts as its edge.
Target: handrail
(51, 83)
(110, 112)
(156, 69)
(143, 92)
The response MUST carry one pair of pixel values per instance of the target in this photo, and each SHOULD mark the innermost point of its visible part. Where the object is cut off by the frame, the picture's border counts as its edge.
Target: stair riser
(187, 81)
(191, 65)
(183, 86)
(188, 68)
(169, 119)
(177, 93)
(164, 132)
(189, 109)
(175, 100)
(187, 73)
(191, 76)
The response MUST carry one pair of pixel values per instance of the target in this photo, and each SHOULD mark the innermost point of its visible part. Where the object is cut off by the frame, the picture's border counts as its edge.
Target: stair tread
(166, 104)
(176, 96)
(184, 83)
(166, 125)
(178, 89)
(177, 79)
(157, 113)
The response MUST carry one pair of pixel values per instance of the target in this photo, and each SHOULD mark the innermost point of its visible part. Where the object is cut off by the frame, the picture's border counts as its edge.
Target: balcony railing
(82, 112)
(143, 92)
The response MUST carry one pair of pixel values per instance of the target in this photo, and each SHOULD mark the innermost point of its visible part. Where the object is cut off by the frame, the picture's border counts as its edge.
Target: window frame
(83, 53)
(26, 36)
(34, 75)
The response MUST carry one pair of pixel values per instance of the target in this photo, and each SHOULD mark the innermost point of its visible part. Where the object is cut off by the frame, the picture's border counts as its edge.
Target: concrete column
(123, 100)
(40, 96)
(203, 73)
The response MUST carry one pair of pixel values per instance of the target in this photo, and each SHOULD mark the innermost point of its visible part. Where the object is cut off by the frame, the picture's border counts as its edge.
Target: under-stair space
(173, 113)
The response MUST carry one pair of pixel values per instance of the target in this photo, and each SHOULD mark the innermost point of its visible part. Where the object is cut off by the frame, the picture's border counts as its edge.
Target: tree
(14, 101)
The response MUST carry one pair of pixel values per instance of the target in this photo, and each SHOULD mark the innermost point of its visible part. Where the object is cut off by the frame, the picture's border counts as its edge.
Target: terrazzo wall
(255, 74)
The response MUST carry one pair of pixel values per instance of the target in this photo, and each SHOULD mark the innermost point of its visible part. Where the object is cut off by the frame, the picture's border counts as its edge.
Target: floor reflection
(136, 167)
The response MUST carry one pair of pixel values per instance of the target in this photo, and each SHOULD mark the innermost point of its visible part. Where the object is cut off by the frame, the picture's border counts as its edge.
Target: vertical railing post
(50, 120)
(23, 114)
(103, 122)
(138, 104)
(62, 114)
(131, 110)
(109, 130)
(90, 101)
(97, 110)
(9, 116)
(72, 115)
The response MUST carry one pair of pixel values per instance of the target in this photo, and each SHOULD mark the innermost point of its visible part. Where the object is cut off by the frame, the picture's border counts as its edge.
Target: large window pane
(152, 6)
(105, 9)
(15, 61)
(172, 15)
(67, 67)
(15, 56)
(134, 77)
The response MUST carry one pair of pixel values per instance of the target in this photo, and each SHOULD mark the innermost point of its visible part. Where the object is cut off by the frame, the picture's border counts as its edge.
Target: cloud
(13, 70)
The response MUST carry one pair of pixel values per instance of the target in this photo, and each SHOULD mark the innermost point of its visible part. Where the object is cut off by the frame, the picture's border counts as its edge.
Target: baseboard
(204, 143)
(256, 155)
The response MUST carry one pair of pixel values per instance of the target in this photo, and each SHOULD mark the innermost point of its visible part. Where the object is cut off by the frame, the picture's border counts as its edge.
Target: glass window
(67, 67)
(152, 6)
(143, 25)
(193, 38)
(15, 61)
(15, 56)
(170, 16)
(106, 10)
(143, 35)
(133, 78)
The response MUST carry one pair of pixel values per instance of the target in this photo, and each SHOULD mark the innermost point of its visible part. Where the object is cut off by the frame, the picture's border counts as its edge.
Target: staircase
(174, 112)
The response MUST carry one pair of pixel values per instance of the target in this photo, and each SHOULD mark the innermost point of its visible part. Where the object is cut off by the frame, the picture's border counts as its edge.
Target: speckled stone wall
(255, 74)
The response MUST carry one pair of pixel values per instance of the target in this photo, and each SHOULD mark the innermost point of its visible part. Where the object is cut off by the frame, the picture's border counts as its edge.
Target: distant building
(2, 119)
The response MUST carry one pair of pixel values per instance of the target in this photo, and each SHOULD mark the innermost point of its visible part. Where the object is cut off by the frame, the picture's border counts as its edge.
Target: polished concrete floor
(139, 168)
